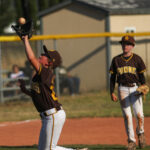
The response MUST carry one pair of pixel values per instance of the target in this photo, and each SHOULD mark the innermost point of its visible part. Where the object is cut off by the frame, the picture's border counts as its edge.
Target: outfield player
(44, 98)
(128, 68)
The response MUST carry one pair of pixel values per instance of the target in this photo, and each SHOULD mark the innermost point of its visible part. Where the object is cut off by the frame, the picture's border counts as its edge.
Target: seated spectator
(72, 83)
(16, 73)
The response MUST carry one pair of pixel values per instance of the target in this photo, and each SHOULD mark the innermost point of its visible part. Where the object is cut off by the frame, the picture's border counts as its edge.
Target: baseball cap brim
(46, 51)
(127, 42)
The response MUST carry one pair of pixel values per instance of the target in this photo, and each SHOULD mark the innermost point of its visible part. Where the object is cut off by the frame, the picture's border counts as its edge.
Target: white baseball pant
(50, 132)
(128, 98)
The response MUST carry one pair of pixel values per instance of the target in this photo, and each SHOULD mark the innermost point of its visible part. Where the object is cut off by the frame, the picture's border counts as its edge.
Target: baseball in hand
(22, 21)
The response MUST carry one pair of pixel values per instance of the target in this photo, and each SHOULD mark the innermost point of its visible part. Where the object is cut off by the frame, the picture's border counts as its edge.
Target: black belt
(127, 84)
(59, 108)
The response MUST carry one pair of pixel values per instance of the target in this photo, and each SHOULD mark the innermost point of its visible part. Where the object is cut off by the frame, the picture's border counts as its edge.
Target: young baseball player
(44, 98)
(127, 69)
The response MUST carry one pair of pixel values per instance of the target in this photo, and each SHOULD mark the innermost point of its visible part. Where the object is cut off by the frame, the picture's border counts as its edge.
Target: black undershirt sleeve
(112, 82)
(142, 78)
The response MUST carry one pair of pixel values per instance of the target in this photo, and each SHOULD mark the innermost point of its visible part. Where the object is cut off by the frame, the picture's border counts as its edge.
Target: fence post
(57, 72)
(108, 52)
(39, 46)
(1, 79)
(146, 55)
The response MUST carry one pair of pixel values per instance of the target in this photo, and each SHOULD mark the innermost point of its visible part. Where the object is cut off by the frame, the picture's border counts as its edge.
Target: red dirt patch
(75, 131)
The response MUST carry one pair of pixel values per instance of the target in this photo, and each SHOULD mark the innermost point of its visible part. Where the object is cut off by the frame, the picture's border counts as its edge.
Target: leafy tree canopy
(7, 14)
(11, 10)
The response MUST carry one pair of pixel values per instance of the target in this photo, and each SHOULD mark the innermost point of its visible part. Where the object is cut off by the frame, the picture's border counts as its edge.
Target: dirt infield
(75, 131)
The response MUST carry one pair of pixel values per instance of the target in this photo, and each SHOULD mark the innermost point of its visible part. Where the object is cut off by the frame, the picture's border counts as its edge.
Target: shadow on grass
(91, 147)
(18, 147)
(100, 147)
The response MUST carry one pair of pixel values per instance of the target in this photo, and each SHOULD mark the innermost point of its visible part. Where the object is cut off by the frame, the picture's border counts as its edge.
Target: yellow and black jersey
(128, 69)
(42, 89)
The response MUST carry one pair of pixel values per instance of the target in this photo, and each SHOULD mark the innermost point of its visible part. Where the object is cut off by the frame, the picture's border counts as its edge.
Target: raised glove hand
(24, 29)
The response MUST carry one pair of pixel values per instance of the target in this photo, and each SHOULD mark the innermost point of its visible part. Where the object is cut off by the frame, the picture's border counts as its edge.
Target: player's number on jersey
(53, 94)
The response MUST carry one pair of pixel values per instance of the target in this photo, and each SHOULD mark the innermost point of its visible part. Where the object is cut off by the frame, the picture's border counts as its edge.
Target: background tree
(45, 4)
(26, 9)
(12, 10)
(7, 14)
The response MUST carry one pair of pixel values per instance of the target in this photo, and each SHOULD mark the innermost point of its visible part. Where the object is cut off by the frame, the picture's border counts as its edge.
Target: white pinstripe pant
(128, 98)
(50, 131)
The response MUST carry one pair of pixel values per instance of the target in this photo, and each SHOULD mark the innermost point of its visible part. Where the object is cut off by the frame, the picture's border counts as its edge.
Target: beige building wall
(86, 57)
(13, 53)
(140, 23)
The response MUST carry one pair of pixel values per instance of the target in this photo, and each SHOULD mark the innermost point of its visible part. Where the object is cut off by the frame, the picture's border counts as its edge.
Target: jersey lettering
(126, 69)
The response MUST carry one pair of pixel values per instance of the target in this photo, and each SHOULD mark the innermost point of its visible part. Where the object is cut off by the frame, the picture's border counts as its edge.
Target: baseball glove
(143, 89)
(25, 29)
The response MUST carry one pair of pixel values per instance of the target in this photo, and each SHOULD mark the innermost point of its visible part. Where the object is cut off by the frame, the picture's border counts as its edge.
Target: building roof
(67, 3)
(114, 7)
(122, 6)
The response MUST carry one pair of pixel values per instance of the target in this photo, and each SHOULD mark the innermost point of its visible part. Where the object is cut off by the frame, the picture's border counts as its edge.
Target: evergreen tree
(12, 10)
(45, 4)
(7, 14)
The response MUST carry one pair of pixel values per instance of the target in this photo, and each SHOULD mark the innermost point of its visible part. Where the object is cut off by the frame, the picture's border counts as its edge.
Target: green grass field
(96, 104)
(91, 147)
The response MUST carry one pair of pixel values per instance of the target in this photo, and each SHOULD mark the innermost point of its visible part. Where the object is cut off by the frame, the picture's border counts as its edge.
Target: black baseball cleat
(131, 146)
(141, 140)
